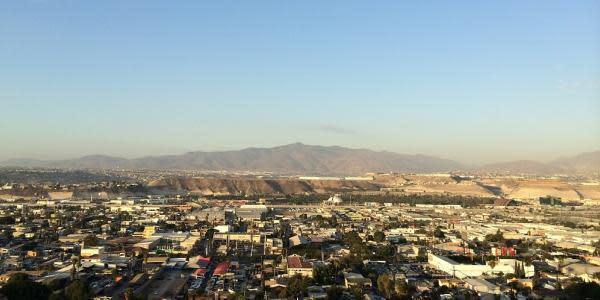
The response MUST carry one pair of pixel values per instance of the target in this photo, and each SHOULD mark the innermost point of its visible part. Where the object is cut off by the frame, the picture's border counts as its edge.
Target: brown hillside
(244, 186)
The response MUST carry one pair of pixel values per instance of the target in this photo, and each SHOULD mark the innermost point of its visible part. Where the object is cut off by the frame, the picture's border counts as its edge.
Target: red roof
(202, 258)
(221, 268)
(199, 272)
(298, 262)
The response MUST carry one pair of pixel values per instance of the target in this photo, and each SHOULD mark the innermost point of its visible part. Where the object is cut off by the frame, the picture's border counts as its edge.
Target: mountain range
(315, 160)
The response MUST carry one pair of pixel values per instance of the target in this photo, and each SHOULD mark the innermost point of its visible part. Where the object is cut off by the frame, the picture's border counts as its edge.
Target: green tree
(78, 290)
(355, 243)
(335, 293)
(403, 290)
(20, 287)
(297, 285)
(379, 236)
(497, 237)
(7, 233)
(130, 295)
(323, 274)
(385, 286)
(581, 291)
(58, 295)
(7, 220)
(90, 241)
(438, 233)
(235, 296)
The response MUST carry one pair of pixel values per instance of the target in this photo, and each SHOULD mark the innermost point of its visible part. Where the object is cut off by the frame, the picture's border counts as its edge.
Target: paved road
(164, 284)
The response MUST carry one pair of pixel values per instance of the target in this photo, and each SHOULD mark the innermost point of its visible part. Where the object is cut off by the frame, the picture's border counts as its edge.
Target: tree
(438, 233)
(297, 285)
(57, 284)
(7, 220)
(535, 280)
(90, 241)
(379, 236)
(29, 246)
(385, 252)
(517, 270)
(130, 295)
(403, 290)
(323, 275)
(7, 233)
(235, 296)
(498, 237)
(58, 295)
(335, 293)
(114, 273)
(78, 290)
(333, 221)
(20, 287)
(582, 290)
(385, 286)
(355, 243)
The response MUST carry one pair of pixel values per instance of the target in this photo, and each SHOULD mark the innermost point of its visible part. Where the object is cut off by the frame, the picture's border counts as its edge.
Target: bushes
(582, 290)
(20, 287)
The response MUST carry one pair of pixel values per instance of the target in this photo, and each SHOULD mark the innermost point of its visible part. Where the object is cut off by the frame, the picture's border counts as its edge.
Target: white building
(335, 199)
(506, 266)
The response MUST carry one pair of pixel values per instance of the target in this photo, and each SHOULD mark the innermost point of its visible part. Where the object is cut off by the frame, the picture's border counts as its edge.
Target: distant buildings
(549, 200)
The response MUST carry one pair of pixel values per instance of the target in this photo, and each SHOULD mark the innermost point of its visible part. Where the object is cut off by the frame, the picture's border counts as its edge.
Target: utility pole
(251, 244)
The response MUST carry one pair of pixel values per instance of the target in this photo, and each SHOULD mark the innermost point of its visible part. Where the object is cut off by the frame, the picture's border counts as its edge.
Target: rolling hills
(288, 159)
(316, 160)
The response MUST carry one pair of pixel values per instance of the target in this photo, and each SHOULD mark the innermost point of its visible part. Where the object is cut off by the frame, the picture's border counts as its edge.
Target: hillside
(288, 159)
(588, 162)
(585, 163)
(298, 158)
(518, 167)
(244, 186)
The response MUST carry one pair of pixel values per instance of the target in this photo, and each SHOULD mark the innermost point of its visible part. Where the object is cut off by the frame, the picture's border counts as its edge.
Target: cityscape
(376, 236)
(345, 150)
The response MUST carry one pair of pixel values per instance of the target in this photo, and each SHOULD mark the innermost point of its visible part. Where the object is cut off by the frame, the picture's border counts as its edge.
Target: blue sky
(469, 80)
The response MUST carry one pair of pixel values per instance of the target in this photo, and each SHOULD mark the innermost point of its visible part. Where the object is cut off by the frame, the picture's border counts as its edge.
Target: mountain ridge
(298, 158)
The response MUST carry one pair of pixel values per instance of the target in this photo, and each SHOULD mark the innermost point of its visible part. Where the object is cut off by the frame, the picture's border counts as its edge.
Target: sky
(474, 81)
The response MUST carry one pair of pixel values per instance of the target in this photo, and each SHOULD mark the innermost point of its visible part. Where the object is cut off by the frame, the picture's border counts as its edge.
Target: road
(164, 284)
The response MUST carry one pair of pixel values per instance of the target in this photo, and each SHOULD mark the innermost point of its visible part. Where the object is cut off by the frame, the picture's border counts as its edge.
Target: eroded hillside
(251, 186)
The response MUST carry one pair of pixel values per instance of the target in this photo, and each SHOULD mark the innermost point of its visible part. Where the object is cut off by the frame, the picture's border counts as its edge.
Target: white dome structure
(335, 199)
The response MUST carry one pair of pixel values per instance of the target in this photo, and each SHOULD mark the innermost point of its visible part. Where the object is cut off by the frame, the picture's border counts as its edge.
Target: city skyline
(336, 150)
(512, 81)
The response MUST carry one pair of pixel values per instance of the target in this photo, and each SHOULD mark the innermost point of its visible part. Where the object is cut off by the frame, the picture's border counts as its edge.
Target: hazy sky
(474, 81)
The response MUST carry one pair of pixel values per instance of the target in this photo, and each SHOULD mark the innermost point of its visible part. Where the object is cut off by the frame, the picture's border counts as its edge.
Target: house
(297, 265)
(298, 240)
(482, 286)
(352, 280)
(92, 251)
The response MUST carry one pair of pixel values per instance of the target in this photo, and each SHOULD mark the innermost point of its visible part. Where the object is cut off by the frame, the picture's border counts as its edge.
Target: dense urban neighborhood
(115, 240)
(299, 150)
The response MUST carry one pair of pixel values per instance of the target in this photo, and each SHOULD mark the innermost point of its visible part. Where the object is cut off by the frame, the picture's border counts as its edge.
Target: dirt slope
(244, 186)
